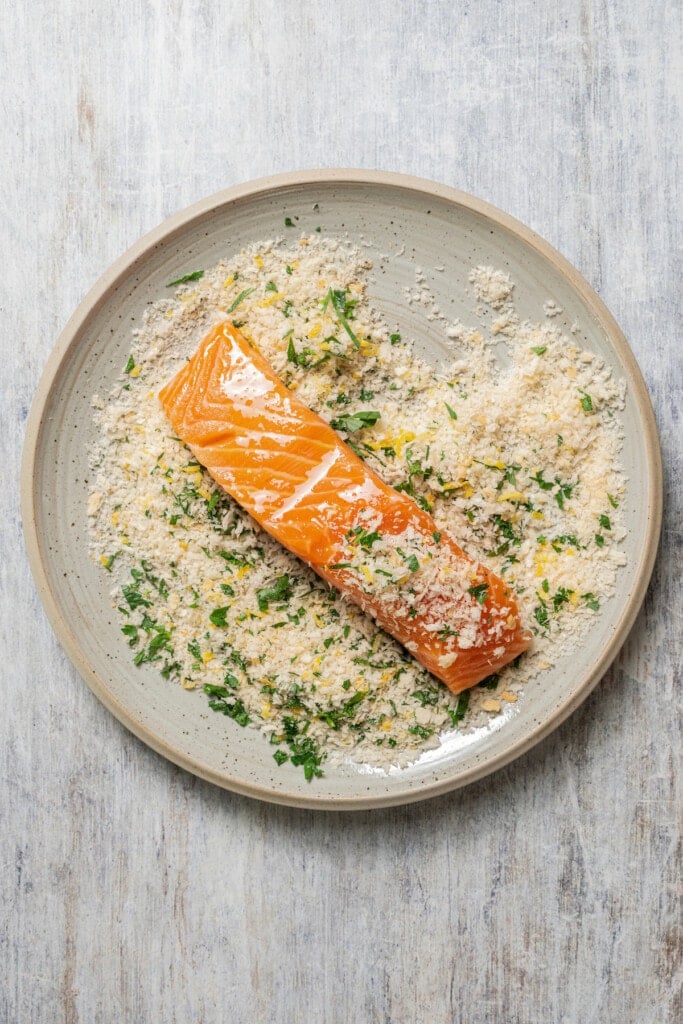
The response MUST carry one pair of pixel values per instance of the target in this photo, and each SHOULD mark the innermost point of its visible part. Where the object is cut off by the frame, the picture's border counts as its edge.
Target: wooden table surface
(131, 891)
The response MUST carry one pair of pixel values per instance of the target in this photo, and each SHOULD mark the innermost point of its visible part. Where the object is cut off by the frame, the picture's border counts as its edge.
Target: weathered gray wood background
(132, 892)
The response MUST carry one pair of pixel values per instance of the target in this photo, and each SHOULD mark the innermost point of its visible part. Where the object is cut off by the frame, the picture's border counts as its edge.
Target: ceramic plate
(438, 226)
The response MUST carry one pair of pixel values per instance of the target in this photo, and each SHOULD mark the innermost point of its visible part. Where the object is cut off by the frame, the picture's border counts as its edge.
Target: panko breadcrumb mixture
(516, 457)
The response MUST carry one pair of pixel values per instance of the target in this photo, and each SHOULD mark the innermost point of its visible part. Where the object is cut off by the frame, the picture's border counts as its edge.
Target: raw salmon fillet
(296, 477)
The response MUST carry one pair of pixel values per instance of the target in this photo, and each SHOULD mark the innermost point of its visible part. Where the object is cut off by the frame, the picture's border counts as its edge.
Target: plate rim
(99, 292)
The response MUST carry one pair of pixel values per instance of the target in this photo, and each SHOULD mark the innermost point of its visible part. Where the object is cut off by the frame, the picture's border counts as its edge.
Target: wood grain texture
(133, 892)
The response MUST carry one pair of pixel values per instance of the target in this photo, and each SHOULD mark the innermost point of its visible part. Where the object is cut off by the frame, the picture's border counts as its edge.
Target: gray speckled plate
(438, 226)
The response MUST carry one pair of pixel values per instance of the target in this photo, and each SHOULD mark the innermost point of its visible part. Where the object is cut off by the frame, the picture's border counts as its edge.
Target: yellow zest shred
(270, 300)
(513, 496)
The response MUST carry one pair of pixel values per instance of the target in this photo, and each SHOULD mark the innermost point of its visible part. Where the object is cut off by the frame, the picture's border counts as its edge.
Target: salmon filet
(294, 475)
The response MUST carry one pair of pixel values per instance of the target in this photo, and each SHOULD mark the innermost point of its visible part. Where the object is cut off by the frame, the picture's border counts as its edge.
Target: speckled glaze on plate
(438, 226)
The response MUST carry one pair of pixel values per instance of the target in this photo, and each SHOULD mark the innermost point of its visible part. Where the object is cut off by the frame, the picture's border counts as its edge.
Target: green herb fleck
(219, 702)
(304, 751)
(457, 714)
(218, 616)
(240, 298)
(541, 613)
(343, 307)
(355, 421)
(134, 597)
(428, 697)
(451, 412)
(281, 590)
(563, 491)
(159, 642)
(545, 485)
(196, 275)
(421, 731)
(478, 592)
(109, 560)
(562, 597)
(361, 536)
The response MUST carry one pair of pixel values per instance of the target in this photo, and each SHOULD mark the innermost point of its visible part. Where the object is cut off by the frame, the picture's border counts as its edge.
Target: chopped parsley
(109, 560)
(196, 275)
(158, 642)
(545, 485)
(562, 597)
(240, 298)
(451, 412)
(478, 592)
(218, 616)
(281, 590)
(428, 697)
(306, 358)
(457, 713)
(421, 731)
(304, 750)
(343, 307)
(355, 421)
(361, 536)
(563, 491)
(222, 701)
(541, 613)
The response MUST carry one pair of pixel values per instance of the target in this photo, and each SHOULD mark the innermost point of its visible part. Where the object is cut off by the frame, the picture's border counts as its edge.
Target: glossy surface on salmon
(290, 470)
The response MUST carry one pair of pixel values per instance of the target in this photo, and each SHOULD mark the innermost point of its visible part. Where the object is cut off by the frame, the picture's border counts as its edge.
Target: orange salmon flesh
(295, 476)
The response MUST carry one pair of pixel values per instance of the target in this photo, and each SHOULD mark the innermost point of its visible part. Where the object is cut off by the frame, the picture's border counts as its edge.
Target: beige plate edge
(98, 293)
